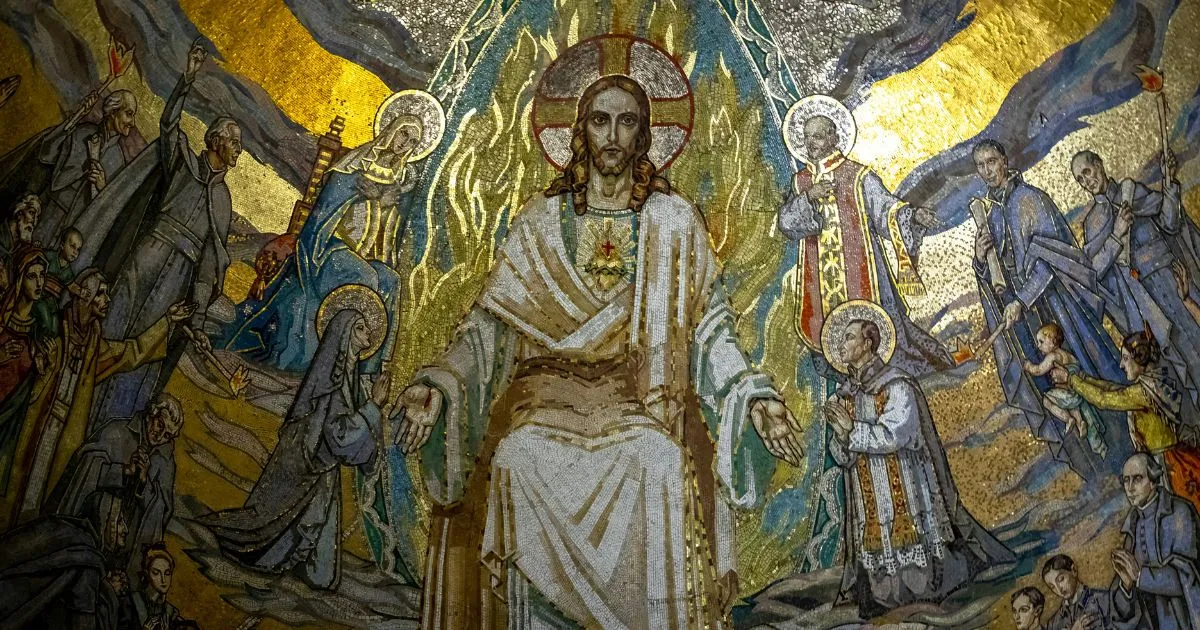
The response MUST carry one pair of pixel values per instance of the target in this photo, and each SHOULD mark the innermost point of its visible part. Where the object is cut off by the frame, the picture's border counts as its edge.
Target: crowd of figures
(106, 254)
(113, 253)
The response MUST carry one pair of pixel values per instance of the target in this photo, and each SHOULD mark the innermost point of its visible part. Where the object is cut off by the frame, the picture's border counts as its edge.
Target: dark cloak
(292, 518)
(52, 576)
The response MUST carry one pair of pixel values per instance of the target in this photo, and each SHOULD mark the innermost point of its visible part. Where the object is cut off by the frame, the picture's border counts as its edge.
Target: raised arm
(171, 140)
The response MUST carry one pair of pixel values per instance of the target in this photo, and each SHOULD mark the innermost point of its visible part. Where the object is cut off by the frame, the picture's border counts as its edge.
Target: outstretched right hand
(420, 406)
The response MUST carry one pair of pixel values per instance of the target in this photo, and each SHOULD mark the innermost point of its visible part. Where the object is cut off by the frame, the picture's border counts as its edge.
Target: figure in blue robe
(372, 185)
(1044, 277)
(1133, 261)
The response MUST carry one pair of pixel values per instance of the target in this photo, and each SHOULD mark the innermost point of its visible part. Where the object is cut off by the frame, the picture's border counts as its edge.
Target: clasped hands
(838, 417)
(421, 406)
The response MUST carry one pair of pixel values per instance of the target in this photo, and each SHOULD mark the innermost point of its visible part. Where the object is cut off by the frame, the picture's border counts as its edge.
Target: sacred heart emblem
(605, 249)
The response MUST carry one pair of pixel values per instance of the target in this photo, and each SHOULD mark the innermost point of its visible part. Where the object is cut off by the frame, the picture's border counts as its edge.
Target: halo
(817, 105)
(842, 316)
(363, 299)
(555, 104)
(422, 105)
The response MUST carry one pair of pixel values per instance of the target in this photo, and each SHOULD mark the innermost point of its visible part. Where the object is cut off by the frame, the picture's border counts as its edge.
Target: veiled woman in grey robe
(292, 520)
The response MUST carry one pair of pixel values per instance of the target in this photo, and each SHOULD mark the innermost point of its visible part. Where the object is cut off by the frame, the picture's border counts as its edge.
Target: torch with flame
(1152, 82)
(120, 57)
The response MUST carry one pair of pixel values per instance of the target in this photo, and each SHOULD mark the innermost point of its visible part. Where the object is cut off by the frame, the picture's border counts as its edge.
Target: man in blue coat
(1158, 577)
(1041, 276)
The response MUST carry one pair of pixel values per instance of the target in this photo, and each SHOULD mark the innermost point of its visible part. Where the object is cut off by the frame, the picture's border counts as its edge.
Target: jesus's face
(612, 131)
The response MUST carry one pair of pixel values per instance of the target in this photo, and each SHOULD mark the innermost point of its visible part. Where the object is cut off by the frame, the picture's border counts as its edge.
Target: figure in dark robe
(166, 221)
(56, 572)
(132, 459)
(908, 536)
(292, 518)
(1129, 234)
(1158, 565)
(67, 165)
(1030, 273)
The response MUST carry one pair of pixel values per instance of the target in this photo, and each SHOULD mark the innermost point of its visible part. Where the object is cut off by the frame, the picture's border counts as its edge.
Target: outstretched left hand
(778, 428)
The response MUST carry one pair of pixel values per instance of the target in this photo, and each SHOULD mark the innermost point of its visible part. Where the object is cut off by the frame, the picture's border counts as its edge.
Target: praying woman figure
(291, 520)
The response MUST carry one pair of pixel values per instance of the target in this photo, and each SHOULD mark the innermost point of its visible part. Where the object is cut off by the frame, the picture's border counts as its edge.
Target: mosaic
(620, 314)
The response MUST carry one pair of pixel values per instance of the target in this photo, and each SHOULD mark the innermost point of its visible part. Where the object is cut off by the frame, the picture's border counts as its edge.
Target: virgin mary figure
(350, 236)
(292, 519)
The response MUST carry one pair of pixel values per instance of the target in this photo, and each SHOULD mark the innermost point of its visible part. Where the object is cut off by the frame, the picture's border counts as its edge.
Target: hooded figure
(375, 182)
(292, 518)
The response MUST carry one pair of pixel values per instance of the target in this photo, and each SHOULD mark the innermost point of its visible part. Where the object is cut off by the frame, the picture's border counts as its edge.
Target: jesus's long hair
(574, 178)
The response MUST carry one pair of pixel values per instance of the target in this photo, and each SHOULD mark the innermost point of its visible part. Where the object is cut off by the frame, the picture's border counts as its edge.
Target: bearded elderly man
(599, 391)
(908, 537)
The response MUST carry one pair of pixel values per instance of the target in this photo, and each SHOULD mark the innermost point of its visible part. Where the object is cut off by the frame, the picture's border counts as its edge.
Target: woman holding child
(1152, 402)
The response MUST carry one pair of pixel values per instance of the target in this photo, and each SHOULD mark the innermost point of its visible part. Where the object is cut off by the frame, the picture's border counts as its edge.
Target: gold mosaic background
(493, 162)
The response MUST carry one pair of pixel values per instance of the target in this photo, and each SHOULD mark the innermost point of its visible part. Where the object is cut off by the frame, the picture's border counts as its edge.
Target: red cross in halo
(607, 248)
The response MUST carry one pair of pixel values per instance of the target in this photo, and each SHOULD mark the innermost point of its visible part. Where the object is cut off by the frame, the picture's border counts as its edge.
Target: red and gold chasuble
(837, 264)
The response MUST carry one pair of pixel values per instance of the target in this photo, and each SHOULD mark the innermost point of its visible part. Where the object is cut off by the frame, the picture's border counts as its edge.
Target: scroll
(979, 212)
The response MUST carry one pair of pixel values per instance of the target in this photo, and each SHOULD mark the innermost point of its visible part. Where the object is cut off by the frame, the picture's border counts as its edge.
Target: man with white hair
(132, 459)
(67, 165)
(1158, 564)
(160, 235)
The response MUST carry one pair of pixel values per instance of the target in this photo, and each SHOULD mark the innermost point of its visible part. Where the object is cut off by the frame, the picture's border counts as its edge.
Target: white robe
(592, 499)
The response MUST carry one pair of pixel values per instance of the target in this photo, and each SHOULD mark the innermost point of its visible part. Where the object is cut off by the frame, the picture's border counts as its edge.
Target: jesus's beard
(613, 170)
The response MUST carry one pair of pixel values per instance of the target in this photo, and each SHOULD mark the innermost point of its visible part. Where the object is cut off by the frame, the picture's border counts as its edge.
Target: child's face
(1045, 343)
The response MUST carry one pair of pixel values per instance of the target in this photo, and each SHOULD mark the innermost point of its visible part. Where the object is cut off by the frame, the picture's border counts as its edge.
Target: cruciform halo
(817, 105)
(841, 316)
(555, 104)
(361, 298)
(417, 103)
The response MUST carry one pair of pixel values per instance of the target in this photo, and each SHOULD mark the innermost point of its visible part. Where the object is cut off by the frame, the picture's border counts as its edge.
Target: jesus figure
(594, 413)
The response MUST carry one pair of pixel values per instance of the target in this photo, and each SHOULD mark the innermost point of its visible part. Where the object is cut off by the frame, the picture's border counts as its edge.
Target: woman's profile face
(360, 336)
